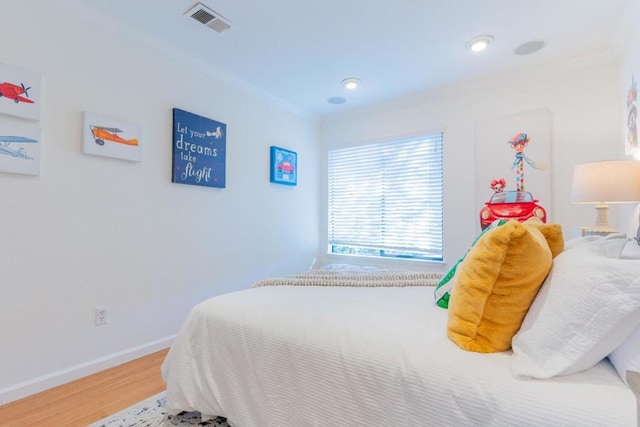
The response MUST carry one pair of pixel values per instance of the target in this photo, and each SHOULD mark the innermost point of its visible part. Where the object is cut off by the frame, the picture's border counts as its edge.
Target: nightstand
(589, 231)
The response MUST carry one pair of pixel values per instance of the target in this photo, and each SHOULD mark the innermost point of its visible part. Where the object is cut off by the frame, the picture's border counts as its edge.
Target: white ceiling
(300, 50)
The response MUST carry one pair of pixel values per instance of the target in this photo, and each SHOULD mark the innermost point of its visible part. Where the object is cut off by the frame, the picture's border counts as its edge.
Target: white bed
(295, 356)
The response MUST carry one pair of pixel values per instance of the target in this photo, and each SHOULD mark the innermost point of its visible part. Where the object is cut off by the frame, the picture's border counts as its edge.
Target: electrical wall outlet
(102, 316)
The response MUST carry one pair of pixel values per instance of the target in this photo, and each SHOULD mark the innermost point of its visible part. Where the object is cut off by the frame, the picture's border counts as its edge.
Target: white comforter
(290, 356)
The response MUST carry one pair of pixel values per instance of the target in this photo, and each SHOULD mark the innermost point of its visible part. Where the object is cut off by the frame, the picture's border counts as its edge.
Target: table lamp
(603, 183)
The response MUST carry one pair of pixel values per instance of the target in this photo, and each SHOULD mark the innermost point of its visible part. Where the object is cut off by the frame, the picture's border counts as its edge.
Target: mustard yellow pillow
(551, 232)
(495, 285)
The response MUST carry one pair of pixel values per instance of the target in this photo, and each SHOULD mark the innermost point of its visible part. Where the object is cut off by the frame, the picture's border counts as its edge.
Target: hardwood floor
(88, 399)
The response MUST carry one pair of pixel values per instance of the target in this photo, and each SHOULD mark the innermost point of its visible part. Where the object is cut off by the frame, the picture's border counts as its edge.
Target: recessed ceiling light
(529, 47)
(480, 43)
(351, 83)
(336, 100)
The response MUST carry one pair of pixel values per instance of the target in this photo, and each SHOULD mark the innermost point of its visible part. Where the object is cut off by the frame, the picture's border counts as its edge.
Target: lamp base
(602, 227)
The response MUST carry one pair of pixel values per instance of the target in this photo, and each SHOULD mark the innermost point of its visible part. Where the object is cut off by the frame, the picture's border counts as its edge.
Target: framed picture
(20, 92)
(109, 137)
(199, 150)
(513, 153)
(20, 149)
(631, 146)
(284, 166)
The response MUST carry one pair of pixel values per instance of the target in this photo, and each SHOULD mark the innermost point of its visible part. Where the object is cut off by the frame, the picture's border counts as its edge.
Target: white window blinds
(385, 199)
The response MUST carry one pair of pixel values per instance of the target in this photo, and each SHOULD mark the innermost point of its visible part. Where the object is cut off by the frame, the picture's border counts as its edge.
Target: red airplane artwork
(14, 92)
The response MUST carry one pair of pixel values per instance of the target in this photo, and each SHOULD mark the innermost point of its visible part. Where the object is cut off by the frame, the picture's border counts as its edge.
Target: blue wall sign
(199, 150)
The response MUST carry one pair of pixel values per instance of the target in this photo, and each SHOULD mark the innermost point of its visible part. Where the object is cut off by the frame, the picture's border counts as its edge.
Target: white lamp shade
(606, 182)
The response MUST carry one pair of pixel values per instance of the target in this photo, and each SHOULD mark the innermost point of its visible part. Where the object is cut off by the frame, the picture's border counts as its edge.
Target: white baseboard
(53, 379)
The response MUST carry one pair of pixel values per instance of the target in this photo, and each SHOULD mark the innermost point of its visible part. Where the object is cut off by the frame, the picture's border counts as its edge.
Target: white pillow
(579, 241)
(587, 306)
(627, 356)
(631, 250)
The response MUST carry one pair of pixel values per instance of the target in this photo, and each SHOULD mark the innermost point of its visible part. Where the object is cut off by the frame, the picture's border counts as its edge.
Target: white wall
(583, 99)
(92, 231)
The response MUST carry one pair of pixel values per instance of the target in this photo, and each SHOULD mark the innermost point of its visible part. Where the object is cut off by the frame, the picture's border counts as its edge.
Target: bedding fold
(366, 278)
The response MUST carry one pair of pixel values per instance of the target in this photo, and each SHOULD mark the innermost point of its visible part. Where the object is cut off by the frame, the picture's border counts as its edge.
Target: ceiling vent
(208, 17)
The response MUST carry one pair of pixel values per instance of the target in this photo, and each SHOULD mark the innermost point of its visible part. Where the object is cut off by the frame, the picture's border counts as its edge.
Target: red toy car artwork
(286, 167)
(518, 205)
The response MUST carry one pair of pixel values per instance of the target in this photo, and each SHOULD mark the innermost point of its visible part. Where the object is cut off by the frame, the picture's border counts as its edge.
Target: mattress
(291, 356)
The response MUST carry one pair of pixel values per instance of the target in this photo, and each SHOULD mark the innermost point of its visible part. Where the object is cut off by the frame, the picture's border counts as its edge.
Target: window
(385, 199)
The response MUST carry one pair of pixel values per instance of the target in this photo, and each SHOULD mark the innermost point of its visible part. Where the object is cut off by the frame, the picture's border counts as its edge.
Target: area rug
(151, 413)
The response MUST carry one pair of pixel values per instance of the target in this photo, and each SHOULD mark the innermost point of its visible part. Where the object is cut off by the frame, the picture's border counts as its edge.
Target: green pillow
(443, 288)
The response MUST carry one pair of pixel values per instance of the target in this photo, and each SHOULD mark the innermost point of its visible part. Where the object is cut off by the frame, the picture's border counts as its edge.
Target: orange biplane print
(103, 133)
(111, 137)
(14, 92)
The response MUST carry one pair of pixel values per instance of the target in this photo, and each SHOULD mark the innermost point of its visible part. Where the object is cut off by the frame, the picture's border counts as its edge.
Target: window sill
(384, 262)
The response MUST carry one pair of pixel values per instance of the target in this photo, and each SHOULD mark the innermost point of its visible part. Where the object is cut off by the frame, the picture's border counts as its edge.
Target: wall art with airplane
(111, 137)
(199, 150)
(20, 149)
(19, 92)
